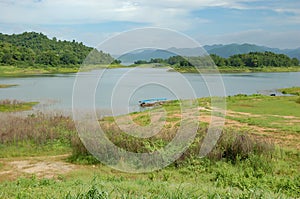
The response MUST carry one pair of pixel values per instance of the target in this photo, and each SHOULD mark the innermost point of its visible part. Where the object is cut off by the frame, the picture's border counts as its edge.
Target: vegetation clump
(15, 105)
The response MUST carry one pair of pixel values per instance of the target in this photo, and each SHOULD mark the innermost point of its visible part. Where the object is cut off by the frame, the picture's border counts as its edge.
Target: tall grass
(232, 145)
(36, 128)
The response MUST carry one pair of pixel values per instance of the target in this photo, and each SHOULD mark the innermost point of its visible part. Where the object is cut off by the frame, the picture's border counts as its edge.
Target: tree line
(36, 49)
(252, 59)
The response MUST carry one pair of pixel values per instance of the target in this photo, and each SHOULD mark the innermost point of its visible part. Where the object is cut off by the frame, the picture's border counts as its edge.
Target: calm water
(123, 88)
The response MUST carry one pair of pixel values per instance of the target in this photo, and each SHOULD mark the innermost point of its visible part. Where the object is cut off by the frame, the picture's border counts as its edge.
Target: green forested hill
(36, 49)
(250, 60)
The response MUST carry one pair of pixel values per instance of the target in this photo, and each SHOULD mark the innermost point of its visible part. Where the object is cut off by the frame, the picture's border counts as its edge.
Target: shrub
(234, 146)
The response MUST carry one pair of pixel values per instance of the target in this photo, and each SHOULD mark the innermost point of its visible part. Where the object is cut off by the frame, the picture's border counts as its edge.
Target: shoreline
(12, 71)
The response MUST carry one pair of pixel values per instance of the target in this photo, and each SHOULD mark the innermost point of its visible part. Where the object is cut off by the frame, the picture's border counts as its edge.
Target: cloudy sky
(274, 23)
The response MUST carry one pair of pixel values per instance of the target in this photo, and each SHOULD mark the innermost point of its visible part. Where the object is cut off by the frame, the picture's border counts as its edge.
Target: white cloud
(174, 14)
(157, 13)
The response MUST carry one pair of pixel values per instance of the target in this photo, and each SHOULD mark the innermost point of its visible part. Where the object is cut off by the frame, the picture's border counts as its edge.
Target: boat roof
(152, 100)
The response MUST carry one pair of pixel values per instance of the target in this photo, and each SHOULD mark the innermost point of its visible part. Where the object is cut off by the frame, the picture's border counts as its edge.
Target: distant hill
(234, 49)
(146, 55)
(224, 51)
(36, 49)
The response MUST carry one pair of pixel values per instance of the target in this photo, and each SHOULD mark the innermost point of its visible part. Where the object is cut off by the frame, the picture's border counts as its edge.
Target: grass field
(257, 155)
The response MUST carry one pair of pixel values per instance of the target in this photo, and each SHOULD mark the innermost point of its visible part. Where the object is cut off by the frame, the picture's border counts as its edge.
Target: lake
(122, 88)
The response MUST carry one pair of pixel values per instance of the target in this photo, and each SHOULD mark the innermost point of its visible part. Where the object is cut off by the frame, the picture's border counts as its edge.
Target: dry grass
(234, 145)
(39, 128)
(10, 102)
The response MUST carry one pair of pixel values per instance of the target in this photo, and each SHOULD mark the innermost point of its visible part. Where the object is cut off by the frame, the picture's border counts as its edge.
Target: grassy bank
(18, 71)
(292, 91)
(15, 105)
(257, 155)
(236, 69)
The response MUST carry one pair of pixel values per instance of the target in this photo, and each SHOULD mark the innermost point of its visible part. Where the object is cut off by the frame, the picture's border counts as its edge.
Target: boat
(152, 102)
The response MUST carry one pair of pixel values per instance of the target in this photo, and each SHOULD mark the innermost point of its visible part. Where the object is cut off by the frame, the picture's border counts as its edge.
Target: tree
(116, 61)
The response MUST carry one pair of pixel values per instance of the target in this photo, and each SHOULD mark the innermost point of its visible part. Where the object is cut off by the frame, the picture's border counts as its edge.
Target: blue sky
(272, 23)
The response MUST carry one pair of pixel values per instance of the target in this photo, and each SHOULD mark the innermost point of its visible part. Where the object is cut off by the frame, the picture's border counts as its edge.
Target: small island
(248, 62)
(7, 85)
(15, 105)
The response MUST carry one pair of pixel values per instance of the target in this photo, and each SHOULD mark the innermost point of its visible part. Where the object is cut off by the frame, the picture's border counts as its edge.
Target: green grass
(281, 112)
(19, 72)
(265, 105)
(28, 71)
(30, 149)
(292, 91)
(198, 178)
(21, 106)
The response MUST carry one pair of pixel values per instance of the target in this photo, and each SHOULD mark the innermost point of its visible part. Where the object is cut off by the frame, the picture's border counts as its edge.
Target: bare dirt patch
(42, 167)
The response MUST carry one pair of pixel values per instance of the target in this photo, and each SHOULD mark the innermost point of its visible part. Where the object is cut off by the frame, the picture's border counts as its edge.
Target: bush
(234, 146)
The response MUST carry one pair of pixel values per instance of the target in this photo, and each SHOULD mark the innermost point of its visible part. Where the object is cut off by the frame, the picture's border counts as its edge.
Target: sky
(273, 23)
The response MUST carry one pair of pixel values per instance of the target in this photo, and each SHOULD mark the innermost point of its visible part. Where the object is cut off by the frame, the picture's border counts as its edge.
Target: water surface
(124, 87)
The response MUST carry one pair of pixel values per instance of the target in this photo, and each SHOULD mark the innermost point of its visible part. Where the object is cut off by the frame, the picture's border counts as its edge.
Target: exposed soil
(41, 167)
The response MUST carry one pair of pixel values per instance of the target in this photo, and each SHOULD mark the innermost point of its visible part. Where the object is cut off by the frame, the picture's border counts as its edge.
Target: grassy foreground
(37, 156)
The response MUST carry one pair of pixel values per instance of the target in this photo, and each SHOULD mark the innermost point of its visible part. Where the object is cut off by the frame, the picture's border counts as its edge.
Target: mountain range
(218, 49)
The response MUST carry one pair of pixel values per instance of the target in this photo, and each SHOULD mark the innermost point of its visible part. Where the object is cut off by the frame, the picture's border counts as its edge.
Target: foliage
(35, 49)
(250, 60)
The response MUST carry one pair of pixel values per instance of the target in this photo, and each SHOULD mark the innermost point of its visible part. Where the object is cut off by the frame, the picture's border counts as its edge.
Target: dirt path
(283, 139)
(42, 167)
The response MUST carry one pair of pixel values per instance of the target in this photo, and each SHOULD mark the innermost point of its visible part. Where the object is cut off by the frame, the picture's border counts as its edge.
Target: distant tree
(117, 61)
(295, 62)
(140, 62)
